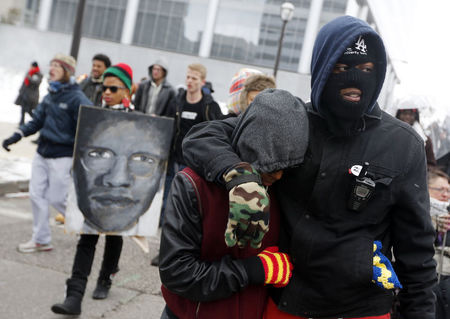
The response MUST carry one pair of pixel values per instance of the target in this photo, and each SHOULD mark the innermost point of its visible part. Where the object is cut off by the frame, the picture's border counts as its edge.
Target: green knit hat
(121, 71)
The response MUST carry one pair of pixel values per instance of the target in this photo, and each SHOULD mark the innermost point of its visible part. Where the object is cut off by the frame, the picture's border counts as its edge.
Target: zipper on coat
(197, 310)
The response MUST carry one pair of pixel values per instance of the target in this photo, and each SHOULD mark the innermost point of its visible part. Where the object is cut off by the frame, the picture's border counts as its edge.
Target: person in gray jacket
(154, 95)
(92, 85)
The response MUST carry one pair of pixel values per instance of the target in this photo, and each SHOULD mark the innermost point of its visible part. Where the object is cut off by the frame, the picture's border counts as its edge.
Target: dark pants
(23, 111)
(84, 257)
(442, 291)
(172, 168)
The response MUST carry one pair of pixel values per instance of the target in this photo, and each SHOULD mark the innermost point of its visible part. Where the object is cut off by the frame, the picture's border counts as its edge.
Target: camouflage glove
(384, 275)
(277, 267)
(248, 220)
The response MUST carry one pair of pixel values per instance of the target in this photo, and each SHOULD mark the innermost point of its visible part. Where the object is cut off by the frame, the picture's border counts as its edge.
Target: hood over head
(336, 37)
(273, 132)
(161, 62)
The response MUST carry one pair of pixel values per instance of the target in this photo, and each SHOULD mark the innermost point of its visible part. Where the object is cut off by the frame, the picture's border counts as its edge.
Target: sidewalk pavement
(31, 283)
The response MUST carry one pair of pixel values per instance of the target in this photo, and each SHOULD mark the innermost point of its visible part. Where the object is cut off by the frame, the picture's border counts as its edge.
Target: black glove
(11, 140)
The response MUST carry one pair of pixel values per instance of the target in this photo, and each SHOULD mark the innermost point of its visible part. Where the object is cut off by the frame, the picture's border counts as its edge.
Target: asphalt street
(31, 283)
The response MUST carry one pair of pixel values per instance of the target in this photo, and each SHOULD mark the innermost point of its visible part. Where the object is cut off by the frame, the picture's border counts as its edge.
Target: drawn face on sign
(117, 172)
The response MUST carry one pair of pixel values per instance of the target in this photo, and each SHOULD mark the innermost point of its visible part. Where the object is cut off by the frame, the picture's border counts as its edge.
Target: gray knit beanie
(273, 132)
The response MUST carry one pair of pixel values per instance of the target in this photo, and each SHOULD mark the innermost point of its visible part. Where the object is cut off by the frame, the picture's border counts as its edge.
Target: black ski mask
(333, 103)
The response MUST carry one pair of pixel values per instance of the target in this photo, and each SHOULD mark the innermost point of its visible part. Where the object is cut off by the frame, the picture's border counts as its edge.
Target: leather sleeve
(413, 237)
(207, 148)
(138, 97)
(181, 269)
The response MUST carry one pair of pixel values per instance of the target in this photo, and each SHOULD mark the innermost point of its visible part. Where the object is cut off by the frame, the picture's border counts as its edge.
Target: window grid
(102, 19)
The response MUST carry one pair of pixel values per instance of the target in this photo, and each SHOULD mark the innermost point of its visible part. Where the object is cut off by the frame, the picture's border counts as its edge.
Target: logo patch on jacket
(189, 115)
(64, 106)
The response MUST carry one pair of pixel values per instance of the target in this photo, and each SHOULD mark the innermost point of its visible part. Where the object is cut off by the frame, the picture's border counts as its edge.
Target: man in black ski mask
(351, 87)
(332, 213)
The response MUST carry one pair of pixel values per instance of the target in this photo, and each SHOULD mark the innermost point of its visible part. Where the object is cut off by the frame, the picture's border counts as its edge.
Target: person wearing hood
(411, 116)
(359, 196)
(56, 120)
(28, 97)
(154, 96)
(196, 267)
(92, 85)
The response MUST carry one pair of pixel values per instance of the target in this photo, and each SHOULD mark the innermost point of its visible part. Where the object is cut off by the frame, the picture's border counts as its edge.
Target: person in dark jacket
(92, 85)
(202, 277)
(28, 97)
(191, 106)
(116, 86)
(56, 120)
(363, 181)
(154, 96)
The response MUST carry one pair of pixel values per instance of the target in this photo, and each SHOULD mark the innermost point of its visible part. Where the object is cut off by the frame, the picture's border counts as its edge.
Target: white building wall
(43, 45)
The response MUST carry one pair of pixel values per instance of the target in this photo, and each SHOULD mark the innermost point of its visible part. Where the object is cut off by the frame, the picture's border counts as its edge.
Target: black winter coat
(28, 96)
(330, 245)
(209, 110)
(93, 90)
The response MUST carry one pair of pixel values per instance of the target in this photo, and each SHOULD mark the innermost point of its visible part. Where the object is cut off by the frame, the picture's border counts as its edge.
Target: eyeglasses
(112, 88)
(442, 190)
(102, 160)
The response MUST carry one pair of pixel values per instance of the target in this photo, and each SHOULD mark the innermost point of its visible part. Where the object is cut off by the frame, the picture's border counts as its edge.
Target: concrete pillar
(363, 12)
(129, 22)
(208, 30)
(310, 35)
(45, 10)
(352, 8)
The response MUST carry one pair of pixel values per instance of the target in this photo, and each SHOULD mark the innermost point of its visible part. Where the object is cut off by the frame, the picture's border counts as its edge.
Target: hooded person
(195, 264)
(55, 118)
(354, 200)
(154, 96)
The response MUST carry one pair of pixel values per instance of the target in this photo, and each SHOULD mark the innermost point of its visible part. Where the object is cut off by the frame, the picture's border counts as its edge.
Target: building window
(175, 25)
(248, 31)
(332, 9)
(102, 19)
(30, 12)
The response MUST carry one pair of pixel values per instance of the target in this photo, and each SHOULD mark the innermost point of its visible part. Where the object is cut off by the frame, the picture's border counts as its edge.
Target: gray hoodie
(273, 132)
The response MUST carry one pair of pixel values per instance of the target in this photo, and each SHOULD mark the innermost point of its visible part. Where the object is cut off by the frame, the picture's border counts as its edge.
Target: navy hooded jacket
(56, 119)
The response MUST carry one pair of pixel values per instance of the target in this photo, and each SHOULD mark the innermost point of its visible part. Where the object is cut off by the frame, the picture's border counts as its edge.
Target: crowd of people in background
(324, 226)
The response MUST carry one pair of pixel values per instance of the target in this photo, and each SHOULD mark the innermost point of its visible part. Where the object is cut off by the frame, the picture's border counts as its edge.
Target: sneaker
(59, 218)
(32, 247)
